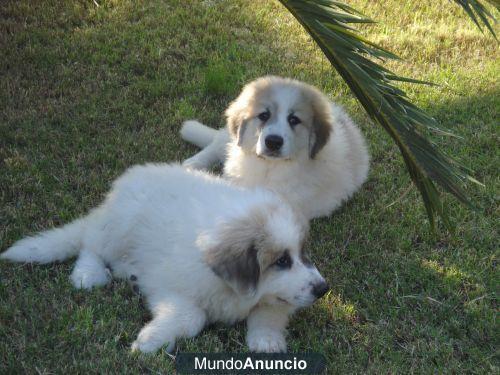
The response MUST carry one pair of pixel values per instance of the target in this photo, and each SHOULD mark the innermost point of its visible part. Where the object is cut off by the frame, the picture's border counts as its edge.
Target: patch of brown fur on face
(269, 254)
(238, 266)
(270, 251)
(235, 118)
(304, 253)
(252, 99)
(239, 111)
(241, 251)
(322, 119)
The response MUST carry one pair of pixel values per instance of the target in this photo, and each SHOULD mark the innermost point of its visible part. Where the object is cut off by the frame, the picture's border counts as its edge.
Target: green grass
(86, 91)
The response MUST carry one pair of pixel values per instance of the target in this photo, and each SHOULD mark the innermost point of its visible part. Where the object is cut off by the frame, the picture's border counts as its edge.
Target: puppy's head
(278, 118)
(260, 254)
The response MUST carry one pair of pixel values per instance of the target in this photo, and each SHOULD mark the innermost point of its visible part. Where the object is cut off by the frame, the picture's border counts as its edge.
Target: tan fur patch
(242, 251)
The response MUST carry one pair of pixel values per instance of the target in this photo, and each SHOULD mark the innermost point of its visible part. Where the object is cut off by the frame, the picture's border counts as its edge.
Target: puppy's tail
(50, 246)
(197, 133)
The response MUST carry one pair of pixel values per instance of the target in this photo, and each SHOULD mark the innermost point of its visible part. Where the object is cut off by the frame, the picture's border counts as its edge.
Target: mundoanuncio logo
(249, 363)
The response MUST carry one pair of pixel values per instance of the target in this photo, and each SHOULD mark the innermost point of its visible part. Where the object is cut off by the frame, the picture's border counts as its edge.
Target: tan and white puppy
(200, 250)
(287, 136)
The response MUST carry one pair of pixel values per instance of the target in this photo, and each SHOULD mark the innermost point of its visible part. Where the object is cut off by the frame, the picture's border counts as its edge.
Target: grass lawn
(87, 90)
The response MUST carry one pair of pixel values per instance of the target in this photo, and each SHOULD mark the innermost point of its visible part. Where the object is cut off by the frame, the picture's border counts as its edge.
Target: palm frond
(330, 24)
(478, 13)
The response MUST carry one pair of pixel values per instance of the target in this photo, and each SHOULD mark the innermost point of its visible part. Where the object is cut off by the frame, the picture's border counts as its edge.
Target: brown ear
(241, 130)
(236, 123)
(230, 251)
(238, 267)
(322, 124)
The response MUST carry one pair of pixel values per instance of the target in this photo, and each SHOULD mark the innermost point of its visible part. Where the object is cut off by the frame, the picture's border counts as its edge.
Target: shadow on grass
(400, 294)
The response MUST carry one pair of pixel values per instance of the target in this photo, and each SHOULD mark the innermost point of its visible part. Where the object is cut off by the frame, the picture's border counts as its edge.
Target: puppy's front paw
(147, 342)
(267, 342)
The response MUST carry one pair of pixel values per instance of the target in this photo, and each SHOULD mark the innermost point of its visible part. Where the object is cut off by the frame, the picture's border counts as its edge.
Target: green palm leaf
(477, 12)
(330, 25)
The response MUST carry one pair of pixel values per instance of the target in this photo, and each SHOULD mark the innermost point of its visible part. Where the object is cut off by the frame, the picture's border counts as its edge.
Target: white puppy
(199, 249)
(285, 135)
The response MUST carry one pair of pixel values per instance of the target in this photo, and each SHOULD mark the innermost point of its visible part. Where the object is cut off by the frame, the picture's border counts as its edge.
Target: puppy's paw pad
(267, 342)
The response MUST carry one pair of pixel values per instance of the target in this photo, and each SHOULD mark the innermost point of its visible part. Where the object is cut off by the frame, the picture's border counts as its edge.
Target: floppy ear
(236, 123)
(241, 131)
(322, 124)
(238, 267)
(230, 251)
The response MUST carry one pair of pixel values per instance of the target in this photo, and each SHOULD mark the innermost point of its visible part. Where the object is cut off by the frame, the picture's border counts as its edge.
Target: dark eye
(284, 261)
(293, 120)
(264, 116)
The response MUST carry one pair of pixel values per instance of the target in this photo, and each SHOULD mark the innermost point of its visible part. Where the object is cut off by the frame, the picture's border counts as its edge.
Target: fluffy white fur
(199, 249)
(322, 161)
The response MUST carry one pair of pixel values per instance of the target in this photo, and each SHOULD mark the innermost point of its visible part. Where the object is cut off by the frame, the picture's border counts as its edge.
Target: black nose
(274, 142)
(320, 289)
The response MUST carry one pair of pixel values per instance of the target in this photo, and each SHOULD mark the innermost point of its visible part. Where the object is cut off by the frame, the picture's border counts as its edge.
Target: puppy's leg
(215, 152)
(266, 329)
(195, 132)
(173, 317)
(203, 159)
(89, 271)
